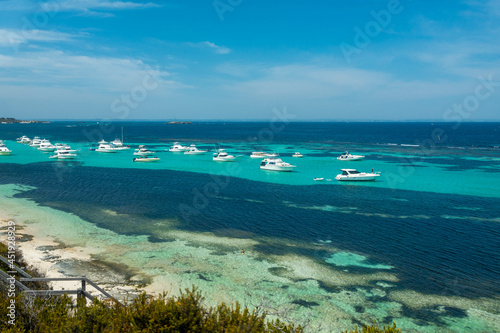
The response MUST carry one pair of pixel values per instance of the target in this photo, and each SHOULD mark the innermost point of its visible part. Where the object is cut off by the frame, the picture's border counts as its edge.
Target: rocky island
(16, 121)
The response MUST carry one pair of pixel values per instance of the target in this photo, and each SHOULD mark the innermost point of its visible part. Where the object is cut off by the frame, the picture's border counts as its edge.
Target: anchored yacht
(354, 175)
(223, 156)
(176, 148)
(348, 157)
(276, 164)
(194, 151)
(4, 151)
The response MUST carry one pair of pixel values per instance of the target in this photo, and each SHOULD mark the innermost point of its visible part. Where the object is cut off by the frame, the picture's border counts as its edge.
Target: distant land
(16, 121)
(178, 123)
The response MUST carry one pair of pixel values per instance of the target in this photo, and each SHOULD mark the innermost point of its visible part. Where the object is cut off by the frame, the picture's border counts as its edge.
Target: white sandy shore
(43, 252)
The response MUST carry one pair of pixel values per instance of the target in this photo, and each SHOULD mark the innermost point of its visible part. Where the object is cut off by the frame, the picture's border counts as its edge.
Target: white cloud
(90, 5)
(56, 68)
(217, 49)
(13, 37)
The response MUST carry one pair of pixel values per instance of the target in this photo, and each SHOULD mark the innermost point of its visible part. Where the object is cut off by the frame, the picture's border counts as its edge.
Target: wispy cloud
(14, 37)
(57, 68)
(95, 6)
(86, 7)
(215, 48)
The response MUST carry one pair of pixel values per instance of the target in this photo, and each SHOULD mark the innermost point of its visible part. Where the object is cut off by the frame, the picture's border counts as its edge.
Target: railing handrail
(29, 278)
(12, 265)
(83, 278)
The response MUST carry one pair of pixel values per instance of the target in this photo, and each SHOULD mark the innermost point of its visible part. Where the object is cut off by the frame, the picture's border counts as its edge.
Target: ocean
(419, 246)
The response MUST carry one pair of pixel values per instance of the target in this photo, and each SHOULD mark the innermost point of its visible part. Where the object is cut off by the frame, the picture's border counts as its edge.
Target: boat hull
(146, 160)
(5, 153)
(365, 178)
(351, 158)
(277, 168)
(218, 159)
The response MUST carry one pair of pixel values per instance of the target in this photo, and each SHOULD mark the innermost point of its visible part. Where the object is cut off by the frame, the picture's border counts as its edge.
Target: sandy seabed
(60, 244)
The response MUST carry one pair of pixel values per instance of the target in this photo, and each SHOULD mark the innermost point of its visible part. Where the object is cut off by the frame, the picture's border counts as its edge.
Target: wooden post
(84, 282)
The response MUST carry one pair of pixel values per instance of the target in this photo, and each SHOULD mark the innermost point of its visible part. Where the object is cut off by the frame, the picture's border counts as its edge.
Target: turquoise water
(405, 170)
(419, 246)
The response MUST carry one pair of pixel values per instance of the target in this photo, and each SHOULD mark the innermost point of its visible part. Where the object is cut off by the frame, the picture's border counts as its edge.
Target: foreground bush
(184, 313)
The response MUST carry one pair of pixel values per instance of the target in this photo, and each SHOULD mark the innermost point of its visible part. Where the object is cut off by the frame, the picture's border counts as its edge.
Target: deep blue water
(434, 244)
(440, 134)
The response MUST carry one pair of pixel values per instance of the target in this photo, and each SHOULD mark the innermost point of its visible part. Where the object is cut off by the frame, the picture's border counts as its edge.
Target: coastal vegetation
(145, 313)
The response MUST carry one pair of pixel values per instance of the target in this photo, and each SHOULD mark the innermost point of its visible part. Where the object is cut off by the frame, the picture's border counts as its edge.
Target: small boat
(319, 179)
(176, 148)
(142, 151)
(120, 147)
(63, 155)
(146, 158)
(4, 151)
(297, 154)
(24, 139)
(258, 154)
(64, 149)
(223, 156)
(348, 157)
(117, 142)
(105, 148)
(276, 164)
(35, 142)
(194, 151)
(354, 175)
(46, 146)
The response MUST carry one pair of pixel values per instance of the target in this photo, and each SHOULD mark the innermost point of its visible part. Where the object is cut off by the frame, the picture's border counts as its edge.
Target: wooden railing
(80, 292)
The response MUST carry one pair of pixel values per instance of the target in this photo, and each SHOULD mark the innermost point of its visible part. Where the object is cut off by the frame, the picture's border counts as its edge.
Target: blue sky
(241, 59)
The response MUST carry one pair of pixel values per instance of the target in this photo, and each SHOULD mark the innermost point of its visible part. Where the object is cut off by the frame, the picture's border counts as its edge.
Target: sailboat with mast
(118, 144)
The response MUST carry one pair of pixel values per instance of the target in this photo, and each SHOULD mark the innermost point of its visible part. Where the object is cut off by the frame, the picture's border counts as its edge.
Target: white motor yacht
(35, 142)
(276, 164)
(142, 151)
(63, 155)
(194, 151)
(24, 139)
(63, 148)
(105, 148)
(222, 156)
(4, 151)
(348, 157)
(297, 154)
(46, 146)
(354, 175)
(176, 148)
(146, 158)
